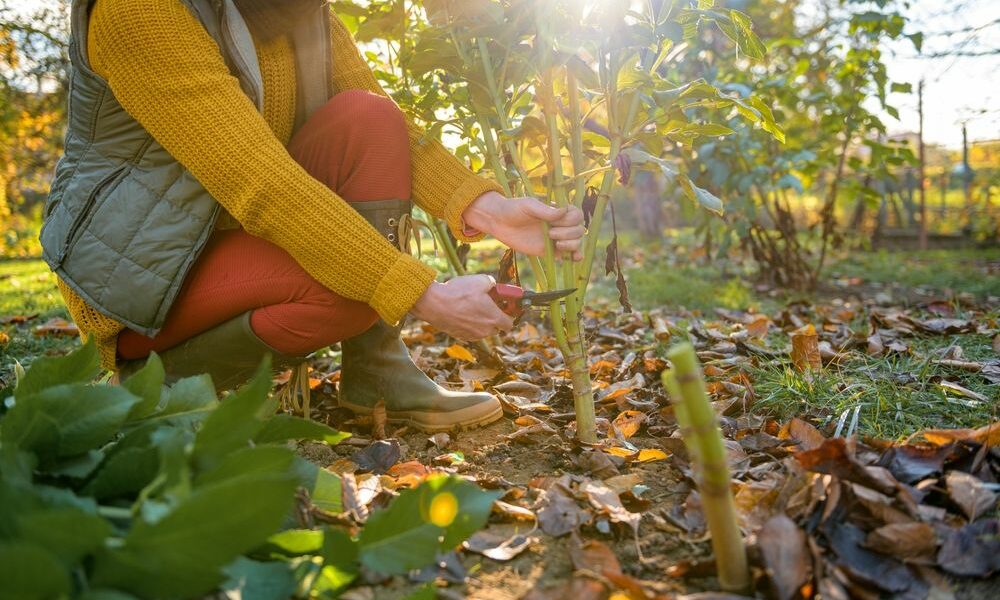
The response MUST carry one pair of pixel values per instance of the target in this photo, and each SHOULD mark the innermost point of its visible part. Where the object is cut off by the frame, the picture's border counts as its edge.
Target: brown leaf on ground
(969, 493)
(560, 514)
(378, 457)
(593, 556)
(805, 349)
(907, 541)
(834, 458)
(987, 434)
(439, 440)
(578, 588)
(628, 422)
(17, 319)
(808, 437)
(887, 574)
(911, 463)
(973, 550)
(513, 511)
(786, 556)
(597, 463)
(605, 500)
(498, 547)
(57, 327)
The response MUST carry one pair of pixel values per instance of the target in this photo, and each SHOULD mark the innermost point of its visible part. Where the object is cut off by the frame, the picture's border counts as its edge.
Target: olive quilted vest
(124, 221)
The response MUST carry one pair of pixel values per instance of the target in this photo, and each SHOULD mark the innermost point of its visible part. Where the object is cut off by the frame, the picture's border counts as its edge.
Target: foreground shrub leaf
(79, 366)
(254, 580)
(30, 572)
(413, 529)
(183, 553)
(289, 427)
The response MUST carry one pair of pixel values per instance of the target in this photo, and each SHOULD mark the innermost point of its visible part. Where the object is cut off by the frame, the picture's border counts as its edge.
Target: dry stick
(713, 471)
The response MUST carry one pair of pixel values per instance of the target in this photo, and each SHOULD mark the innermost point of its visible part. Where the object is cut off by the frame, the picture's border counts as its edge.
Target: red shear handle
(508, 297)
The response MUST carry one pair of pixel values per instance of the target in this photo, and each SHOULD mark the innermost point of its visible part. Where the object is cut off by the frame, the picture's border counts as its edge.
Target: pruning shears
(514, 299)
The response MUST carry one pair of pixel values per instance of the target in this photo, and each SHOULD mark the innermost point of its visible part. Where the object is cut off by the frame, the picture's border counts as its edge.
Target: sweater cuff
(471, 188)
(400, 288)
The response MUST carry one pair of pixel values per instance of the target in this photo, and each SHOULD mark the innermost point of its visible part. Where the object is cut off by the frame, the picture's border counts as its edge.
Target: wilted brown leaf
(973, 550)
(907, 541)
(808, 437)
(560, 513)
(805, 349)
(593, 556)
(459, 352)
(499, 548)
(786, 556)
(969, 493)
(628, 422)
(379, 421)
(834, 458)
(57, 327)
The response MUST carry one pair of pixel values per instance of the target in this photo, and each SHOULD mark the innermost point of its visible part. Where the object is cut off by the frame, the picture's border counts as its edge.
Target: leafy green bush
(147, 491)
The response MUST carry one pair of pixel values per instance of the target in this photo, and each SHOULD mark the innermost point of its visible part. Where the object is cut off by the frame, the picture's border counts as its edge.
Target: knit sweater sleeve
(442, 184)
(168, 73)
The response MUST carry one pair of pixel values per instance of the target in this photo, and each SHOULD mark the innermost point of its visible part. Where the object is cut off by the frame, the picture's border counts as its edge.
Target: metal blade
(539, 298)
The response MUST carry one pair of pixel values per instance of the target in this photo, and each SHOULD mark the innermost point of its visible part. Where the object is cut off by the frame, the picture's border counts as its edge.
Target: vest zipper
(76, 228)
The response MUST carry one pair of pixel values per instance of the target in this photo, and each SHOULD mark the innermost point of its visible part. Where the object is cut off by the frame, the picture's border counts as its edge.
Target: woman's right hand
(462, 308)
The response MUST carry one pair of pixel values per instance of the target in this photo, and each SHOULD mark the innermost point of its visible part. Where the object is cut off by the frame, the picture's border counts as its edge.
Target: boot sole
(463, 419)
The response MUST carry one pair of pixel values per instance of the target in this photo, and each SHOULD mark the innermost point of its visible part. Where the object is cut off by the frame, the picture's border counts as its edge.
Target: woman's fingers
(573, 232)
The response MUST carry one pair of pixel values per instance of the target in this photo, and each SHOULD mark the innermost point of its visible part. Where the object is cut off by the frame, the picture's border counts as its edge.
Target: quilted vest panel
(124, 221)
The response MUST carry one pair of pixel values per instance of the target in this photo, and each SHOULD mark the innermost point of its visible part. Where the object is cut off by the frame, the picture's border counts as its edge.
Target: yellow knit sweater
(168, 73)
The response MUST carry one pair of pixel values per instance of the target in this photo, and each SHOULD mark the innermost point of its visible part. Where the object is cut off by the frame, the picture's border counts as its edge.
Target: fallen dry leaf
(786, 556)
(973, 550)
(459, 352)
(805, 349)
(628, 422)
(58, 327)
(969, 493)
(907, 541)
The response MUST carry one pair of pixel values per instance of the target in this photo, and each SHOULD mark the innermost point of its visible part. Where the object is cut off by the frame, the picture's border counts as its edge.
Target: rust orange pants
(357, 145)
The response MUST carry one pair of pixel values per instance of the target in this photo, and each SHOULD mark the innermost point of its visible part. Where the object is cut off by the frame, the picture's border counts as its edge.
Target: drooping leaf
(79, 366)
(283, 427)
(147, 384)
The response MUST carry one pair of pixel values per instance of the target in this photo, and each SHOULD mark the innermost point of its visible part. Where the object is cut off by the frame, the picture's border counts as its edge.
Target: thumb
(541, 211)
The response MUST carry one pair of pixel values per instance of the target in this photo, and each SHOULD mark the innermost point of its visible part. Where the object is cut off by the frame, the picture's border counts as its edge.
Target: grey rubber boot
(377, 366)
(230, 353)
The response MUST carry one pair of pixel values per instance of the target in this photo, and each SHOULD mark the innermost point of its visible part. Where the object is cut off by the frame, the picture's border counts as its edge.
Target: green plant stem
(712, 469)
(451, 253)
(576, 137)
(590, 248)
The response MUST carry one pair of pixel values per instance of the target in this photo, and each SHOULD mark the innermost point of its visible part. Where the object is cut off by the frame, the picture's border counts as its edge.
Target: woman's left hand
(520, 223)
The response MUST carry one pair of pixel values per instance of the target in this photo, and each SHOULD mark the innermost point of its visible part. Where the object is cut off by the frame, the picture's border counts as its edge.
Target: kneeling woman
(236, 183)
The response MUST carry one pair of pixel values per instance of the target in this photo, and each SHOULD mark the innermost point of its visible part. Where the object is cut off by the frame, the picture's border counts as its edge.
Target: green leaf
(427, 592)
(28, 571)
(68, 533)
(340, 562)
(281, 428)
(183, 553)
(106, 595)
(146, 383)
(703, 197)
(79, 366)
(125, 472)
(254, 580)
(434, 517)
(186, 403)
(67, 419)
(295, 542)
(236, 421)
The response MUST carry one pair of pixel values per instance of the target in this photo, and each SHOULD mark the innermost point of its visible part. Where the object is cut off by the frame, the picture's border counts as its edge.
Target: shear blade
(537, 298)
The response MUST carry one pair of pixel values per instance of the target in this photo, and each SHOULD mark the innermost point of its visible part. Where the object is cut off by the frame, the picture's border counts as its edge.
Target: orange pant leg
(357, 145)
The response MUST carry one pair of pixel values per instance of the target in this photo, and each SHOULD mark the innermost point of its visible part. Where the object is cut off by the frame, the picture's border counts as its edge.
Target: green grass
(972, 271)
(896, 396)
(27, 287)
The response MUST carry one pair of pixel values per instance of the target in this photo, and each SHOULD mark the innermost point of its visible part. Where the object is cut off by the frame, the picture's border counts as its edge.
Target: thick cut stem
(709, 457)
(583, 394)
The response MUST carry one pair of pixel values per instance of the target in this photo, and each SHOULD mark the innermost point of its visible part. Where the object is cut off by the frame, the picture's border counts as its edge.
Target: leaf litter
(827, 510)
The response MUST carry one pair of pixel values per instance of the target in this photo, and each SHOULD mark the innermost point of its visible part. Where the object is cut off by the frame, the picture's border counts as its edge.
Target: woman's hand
(519, 223)
(462, 308)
